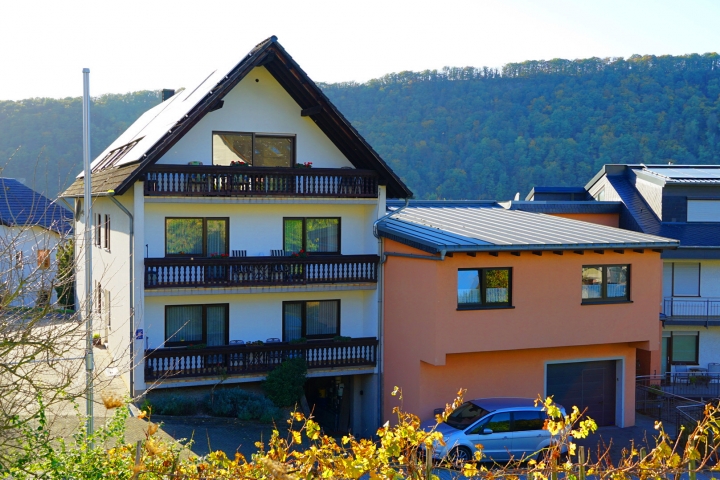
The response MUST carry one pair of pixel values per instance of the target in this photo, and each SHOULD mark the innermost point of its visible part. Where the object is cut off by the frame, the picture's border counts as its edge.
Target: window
(313, 235)
(196, 324)
(196, 236)
(605, 283)
(19, 259)
(253, 149)
(43, 259)
(528, 420)
(107, 308)
(682, 347)
(98, 230)
(686, 279)
(107, 232)
(484, 288)
(600, 195)
(703, 210)
(98, 298)
(314, 319)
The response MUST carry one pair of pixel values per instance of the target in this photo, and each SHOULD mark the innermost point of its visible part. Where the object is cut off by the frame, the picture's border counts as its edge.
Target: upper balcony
(243, 181)
(691, 311)
(223, 272)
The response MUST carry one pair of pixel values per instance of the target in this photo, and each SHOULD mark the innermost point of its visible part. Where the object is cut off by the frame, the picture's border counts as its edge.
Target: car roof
(497, 403)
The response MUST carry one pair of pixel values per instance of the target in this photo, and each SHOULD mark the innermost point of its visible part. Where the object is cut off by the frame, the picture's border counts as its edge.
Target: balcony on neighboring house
(230, 181)
(192, 272)
(252, 360)
(691, 311)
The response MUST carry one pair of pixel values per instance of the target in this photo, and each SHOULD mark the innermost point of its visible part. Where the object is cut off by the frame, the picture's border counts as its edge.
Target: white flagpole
(87, 244)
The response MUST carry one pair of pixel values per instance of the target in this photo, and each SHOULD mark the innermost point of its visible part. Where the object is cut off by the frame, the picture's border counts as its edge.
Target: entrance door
(664, 352)
(588, 385)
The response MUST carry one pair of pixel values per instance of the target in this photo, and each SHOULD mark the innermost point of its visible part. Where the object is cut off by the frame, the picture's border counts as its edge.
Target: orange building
(505, 302)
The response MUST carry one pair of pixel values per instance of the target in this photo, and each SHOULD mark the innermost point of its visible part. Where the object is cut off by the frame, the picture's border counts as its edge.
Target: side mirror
(487, 431)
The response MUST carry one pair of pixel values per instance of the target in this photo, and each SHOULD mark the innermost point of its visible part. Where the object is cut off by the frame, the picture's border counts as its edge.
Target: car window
(465, 415)
(500, 422)
(527, 420)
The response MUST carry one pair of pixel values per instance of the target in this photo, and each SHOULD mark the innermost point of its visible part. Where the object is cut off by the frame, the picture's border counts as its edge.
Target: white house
(681, 202)
(31, 227)
(237, 211)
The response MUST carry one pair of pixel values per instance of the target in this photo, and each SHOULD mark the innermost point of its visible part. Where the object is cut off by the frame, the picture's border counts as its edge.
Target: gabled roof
(490, 227)
(23, 206)
(158, 129)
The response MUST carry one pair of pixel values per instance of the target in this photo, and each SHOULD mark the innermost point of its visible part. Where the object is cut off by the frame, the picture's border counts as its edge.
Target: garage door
(588, 385)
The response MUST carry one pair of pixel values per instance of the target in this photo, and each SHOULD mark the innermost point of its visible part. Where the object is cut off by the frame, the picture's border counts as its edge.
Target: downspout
(132, 292)
(381, 296)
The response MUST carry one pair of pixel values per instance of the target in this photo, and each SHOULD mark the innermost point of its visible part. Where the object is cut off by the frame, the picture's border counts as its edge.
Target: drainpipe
(381, 295)
(132, 292)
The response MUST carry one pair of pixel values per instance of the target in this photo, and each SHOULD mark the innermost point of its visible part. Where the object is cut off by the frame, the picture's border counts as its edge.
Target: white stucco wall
(111, 269)
(27, 240)
(258, 228)
(261, 106)
(259, 316)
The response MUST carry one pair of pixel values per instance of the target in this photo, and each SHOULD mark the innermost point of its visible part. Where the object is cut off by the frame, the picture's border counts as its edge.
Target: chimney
(167, 93)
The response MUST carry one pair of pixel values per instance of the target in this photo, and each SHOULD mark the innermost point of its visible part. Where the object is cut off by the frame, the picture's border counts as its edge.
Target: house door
(664, 353)
(588, 385)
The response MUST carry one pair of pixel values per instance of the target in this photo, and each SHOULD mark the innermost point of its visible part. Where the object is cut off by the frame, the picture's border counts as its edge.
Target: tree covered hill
(459, 132)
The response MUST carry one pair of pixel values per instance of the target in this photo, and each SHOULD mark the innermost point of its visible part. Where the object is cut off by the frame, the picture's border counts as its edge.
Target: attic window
(258, 150)
(111, 159)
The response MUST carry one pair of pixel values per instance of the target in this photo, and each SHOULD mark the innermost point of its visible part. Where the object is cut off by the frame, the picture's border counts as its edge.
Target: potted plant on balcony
(239, 163)
(96, 341)
(301, 254)
(303, 165)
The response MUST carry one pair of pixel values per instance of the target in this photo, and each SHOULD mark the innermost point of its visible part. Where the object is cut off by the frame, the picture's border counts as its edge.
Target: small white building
(233, 229)
(31, 228)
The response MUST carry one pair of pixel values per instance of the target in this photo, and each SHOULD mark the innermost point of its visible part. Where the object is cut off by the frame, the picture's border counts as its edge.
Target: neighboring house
(681, 202)
(505, 302)
(31, 227)
(237, 211)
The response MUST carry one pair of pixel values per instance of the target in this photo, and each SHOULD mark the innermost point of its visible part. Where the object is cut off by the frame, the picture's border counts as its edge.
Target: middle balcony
(224, 271)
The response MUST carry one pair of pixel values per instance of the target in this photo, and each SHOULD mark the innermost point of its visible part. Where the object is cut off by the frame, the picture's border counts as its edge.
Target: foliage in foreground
(306, 453)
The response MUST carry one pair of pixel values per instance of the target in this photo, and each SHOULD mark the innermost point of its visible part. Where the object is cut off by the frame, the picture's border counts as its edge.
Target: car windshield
(465, 415)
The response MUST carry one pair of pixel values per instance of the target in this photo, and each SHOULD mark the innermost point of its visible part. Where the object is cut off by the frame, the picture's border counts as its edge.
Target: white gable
(258, 104)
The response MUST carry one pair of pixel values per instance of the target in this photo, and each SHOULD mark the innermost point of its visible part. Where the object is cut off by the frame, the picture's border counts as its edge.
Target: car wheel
(460, 456)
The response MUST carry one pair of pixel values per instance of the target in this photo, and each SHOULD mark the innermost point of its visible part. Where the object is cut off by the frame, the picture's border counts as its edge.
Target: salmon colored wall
(422, 323)
(608, 219)
(511, 373)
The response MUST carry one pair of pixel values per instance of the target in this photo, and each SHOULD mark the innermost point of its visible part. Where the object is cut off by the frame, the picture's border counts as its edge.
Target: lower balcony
(252, 360)
(259, 271)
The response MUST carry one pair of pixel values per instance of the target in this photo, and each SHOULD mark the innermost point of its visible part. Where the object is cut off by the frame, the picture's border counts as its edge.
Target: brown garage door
(588, 385)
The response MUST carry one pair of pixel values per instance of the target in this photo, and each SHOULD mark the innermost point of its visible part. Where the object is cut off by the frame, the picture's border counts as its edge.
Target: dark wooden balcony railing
(222, 181)
(167, 363)
(257, 271)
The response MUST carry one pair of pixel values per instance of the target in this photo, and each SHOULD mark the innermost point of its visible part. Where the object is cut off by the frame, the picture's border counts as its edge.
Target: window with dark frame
(484, 288)
(686, 279)
(196, 236)
(107, 232)
(312, 235)
(196, 324)
(682, 347)
(311, 319)
(605, 283)
(258, 150)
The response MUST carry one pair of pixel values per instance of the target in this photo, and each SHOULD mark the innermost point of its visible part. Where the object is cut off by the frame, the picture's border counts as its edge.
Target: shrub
(284, 385)
(245, 405)
(173, 404)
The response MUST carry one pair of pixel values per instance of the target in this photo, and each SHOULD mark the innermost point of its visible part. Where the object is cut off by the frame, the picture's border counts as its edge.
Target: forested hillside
(460, 132)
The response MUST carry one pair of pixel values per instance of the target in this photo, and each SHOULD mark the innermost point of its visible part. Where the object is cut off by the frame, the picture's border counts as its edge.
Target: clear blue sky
(150, 44)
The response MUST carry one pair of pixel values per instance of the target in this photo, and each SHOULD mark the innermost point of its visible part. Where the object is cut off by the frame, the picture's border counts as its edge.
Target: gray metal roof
(563, 206)
(686, 174)
(493, 228)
